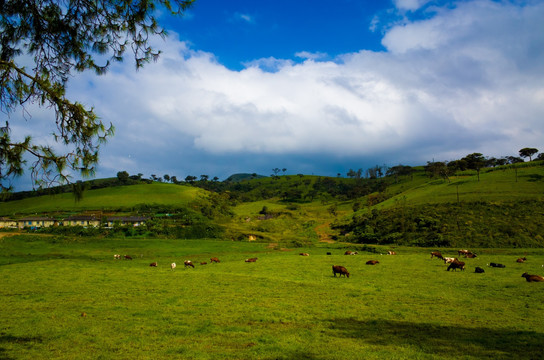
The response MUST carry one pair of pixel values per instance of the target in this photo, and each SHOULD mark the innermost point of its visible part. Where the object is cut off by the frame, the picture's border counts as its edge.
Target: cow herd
(453, 263)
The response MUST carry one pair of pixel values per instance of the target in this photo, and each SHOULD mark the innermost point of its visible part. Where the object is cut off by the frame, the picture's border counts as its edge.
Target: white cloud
(244, 17)
(468, 79)
(410, 5)
(311, 55)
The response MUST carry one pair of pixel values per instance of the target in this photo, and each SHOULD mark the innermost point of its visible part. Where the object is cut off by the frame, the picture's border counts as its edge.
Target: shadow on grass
(455, 341)
(534, 177)
(20, 340)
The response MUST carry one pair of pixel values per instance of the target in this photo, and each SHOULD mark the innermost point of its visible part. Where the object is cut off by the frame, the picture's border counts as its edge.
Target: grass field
(112, 198)
(284, 306)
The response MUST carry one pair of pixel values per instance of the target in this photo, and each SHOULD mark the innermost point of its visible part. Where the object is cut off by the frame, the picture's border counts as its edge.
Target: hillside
(503, 207)
(118, 198)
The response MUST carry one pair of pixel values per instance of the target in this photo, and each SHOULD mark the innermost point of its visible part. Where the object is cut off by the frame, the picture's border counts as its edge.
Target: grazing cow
(479, 270)
(497, 265)
(117, 256)
(470, 255)
(463, 252)
(533, 278)
(214, 260)
(521, 260)
(329, 253)
(449, 260)
(349, 252)
(172, 266)
(203, 263)
(128, 257)
(391, 253)
(251, 260)
(188, 263)
(153, 264)
(372, 262)
(304, 254)
(437, 254)
(456, 265)
(337, 269)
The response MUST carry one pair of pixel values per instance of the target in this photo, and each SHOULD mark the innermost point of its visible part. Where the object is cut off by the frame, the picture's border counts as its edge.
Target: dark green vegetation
(68, 298)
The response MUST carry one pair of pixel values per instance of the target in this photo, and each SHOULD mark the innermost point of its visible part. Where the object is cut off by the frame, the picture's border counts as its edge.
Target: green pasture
(284, 306)
(498, 185)
(109, 199)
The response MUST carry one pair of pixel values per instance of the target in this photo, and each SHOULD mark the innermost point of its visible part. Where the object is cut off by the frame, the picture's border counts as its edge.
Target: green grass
(498, 185)
(284, 306)
(113, 198)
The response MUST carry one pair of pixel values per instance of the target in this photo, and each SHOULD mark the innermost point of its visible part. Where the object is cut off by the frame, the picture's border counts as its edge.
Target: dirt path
(2, 234)
(322, 234)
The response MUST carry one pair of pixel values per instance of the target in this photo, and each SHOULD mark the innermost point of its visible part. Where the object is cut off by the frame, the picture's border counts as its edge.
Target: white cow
(172, 266)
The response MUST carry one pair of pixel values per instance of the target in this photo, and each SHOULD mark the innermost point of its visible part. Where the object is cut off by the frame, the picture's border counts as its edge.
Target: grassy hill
(117, 198)
(502, 207)
(496, 184)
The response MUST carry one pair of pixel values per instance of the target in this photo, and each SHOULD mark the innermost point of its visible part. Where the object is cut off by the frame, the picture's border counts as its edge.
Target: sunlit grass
(284, 306)
(112, 198)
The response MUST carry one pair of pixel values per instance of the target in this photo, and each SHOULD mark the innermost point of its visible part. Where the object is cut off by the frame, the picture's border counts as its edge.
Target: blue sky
(321, 87)
(237, 32)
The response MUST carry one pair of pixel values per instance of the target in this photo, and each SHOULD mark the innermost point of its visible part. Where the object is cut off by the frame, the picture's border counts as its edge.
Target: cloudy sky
(319, 87)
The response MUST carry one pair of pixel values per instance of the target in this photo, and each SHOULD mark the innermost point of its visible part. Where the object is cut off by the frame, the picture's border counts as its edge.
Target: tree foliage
(57, 39)
(528, 152)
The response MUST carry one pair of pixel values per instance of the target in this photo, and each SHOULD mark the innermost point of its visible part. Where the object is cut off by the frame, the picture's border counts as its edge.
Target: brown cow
(470, 255)
(437, 254)
(214, 260)
(391, 253)
(188, 263)
(203, 263)
(337, 269)
(372, 262)
(304, 254)
(153, 264)
(128, 257)
(533, 278)
(349, 252)
(520, 260)
(456, 265)
(251, 260)
(462, 252)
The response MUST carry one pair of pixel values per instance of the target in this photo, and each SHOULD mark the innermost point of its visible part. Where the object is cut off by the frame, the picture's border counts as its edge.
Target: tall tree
(475, 161)
(123, 176)
(528, 152)
(58, 38)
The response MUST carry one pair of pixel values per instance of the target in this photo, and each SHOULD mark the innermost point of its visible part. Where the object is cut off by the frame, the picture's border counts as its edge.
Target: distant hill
(243, 176)
(116, 198)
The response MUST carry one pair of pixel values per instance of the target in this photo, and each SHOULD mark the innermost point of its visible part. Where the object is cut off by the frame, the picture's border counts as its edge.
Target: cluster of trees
(476, 161)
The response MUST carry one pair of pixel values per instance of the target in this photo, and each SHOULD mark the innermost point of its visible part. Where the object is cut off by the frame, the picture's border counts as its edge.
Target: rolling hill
(502, 207)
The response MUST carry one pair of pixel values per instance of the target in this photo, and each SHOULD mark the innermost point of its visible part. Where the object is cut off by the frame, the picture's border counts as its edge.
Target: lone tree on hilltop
(475, 161)
(123, 177)
(528, 152)
(42, 43)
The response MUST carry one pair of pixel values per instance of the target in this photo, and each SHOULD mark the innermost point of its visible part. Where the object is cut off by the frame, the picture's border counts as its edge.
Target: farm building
(35, 222)
(81, 220)
(6, 223)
